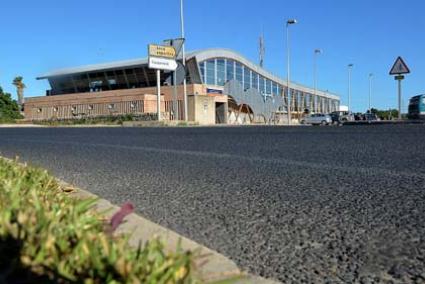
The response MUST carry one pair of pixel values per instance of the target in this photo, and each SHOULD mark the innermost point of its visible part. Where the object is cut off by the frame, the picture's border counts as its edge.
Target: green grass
(46, 236)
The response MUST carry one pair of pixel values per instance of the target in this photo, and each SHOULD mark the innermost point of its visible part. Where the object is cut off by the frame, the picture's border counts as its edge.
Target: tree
(20, 86)
(9, 109)
(385, 114)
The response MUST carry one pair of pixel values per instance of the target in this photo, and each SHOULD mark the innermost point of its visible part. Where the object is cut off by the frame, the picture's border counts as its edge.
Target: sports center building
(222, 87)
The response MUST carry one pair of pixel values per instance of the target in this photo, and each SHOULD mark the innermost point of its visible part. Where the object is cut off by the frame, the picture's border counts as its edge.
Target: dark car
(371, 117)
(336, 118)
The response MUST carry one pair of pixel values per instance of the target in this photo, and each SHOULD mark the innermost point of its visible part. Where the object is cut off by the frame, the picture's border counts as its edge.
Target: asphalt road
(302, 205)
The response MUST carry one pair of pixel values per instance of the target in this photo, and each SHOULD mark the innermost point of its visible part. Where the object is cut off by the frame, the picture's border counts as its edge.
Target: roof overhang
(96, 67)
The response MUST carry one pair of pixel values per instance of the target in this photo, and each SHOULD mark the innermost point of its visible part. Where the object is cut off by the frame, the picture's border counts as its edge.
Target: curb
(214, 266)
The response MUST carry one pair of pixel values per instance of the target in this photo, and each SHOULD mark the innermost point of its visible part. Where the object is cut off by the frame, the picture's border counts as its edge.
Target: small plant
(46, 236)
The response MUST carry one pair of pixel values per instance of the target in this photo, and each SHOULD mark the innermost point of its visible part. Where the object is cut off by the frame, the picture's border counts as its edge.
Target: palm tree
(20, 86)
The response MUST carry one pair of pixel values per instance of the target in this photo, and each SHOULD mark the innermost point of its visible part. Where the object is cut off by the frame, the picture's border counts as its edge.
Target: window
(239, 71)
(210, 69)
(111, 106)
(221, 72)
(91, 107)
(202, 68)
(268, 87)
(230, 70)
(261, 84)
(254, 80)
(247, 78)
(275, 92)
(55, 109)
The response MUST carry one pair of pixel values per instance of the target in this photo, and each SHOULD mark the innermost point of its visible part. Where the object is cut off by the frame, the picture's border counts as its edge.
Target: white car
(317, 119)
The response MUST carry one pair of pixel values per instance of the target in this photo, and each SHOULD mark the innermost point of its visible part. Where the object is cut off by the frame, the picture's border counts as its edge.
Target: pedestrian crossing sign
(399, 67)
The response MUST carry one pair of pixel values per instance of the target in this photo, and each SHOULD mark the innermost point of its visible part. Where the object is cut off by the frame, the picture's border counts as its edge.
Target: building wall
(118, 102)
(202, 109)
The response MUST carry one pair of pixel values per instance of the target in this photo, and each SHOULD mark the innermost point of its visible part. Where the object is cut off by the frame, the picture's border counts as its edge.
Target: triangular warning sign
(399, 67)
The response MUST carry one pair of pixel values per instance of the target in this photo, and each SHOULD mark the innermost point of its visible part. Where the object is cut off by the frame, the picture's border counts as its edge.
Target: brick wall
(131, 101)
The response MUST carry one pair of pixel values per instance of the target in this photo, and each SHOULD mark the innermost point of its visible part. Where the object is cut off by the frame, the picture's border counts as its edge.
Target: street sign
(159, 63)
(161, 58)
(399, 67)
(162, 51)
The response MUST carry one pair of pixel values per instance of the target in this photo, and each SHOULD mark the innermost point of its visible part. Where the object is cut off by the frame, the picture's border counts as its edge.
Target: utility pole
(370, 91)
(350, 68)
(288, 23)
(316, 53)
(184, 61)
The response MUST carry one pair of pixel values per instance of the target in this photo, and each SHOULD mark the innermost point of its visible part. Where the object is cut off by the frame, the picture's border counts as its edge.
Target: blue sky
(39, 36)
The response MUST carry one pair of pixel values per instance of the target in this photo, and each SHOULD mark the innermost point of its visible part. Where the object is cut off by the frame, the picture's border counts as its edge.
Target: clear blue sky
(38, 36)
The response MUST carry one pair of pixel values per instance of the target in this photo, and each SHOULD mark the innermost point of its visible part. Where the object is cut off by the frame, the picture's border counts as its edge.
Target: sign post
(399, 68)
(161, 58)
(177, 44)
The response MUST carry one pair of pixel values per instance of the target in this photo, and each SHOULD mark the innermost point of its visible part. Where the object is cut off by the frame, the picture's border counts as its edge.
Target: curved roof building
(251, 93)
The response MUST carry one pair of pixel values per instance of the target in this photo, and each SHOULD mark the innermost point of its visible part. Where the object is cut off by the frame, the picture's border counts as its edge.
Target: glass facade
(239, 75)
(262, 85)
(268, 87)
(254, 80)
(221, 73)
(218, 71)
(230, 70)
(246, 78)
(210, 72)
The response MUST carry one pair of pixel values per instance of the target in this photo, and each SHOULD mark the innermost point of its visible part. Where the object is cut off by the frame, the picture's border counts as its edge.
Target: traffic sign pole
(399, 68)
(158, 100)
(161, 58)
(399, 98)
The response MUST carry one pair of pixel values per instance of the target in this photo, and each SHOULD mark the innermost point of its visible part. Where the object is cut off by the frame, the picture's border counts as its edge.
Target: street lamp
(288, 23)
(370, 91)
(184, 61)
(350, 68)
(316, 53)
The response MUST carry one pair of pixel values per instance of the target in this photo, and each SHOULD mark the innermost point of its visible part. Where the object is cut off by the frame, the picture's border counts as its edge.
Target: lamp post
(370, 91)
(350, 68)
(316, 53)
(184, 60)
(288, 23)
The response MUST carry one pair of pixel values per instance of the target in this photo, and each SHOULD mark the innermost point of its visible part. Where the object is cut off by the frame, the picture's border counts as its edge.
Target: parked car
(371, 117)
(342, 116)
(317, 119)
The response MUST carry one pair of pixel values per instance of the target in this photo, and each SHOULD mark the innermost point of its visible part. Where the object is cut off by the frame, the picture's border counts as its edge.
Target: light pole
(370, 91)
(316, 53)
(184, 60)
(288, 23)
(350, 68)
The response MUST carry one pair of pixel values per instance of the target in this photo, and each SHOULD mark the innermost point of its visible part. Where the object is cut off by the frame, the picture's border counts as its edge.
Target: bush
(47, 236)
(108, 119)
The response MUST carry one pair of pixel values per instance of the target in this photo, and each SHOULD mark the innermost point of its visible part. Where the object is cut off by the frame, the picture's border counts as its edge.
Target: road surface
(313, 204)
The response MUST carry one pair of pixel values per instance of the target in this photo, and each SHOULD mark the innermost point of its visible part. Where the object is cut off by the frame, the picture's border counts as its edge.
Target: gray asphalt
(302, 205)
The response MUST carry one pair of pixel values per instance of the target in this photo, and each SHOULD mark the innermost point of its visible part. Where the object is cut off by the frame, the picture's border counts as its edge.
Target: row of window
(218, 71)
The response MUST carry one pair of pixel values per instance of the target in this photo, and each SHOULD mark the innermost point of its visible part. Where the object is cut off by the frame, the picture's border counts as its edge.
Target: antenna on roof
(261, 49)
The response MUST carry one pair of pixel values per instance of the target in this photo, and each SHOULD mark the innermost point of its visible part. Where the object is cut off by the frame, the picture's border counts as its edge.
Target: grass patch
(46, 236)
